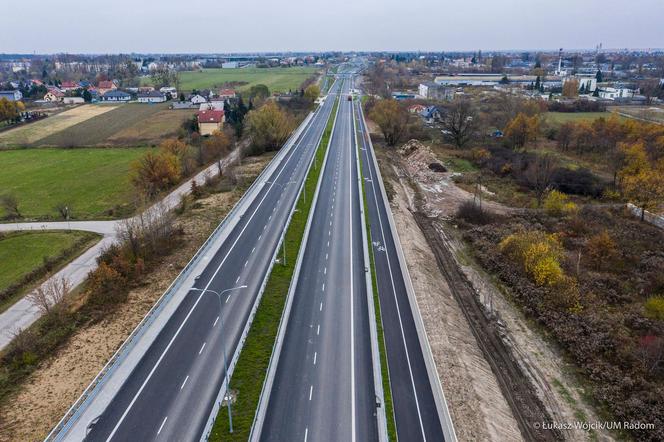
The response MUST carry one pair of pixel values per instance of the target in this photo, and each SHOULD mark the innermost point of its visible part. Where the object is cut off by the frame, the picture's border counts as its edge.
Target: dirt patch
(478, 408)
(34, 132)
(534, 383)
(31, 412)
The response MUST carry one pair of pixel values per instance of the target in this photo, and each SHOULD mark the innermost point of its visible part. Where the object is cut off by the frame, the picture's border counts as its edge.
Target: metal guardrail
(259, 417)
(434, 379)
(59, 431)
(222, 391)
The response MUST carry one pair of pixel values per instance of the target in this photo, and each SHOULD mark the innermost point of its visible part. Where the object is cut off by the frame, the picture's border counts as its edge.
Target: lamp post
(223, 343)
(283, 233)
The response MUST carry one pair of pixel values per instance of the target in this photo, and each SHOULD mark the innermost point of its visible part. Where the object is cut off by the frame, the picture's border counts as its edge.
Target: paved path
(23, 313)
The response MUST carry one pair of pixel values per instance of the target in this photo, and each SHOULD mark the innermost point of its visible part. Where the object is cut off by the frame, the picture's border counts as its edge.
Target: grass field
(33, 132)
(557, 118)
(94, 182)
(152, 129)
(97, 131)
(276, 79)
(23, 252)
(654, 114)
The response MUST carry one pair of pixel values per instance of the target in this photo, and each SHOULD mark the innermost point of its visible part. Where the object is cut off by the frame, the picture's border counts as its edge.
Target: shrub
(537, 253)
(558, 204)
(577, 182)
(601, 248)
(654, 307)
(472, 213)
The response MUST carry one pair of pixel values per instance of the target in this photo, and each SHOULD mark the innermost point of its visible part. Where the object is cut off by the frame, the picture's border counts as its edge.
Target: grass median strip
(387, 390)
(251, 368)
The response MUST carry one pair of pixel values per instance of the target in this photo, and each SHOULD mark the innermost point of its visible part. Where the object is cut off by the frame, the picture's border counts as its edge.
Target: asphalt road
(323, 388)
(170, 394)
(415, 412)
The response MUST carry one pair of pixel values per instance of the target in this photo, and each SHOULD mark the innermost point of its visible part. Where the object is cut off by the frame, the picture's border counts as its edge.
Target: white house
(73, 100)
(11, 95)
(116, 95)
(169, 90)
(197, 99)
(212, 105)
(151, 97)
(612, 93)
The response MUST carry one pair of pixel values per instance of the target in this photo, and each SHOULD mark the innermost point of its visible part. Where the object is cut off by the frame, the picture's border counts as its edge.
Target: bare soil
(38, 405)
(500, 375)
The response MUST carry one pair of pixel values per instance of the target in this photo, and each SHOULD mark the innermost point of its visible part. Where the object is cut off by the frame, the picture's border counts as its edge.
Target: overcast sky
(84, 26)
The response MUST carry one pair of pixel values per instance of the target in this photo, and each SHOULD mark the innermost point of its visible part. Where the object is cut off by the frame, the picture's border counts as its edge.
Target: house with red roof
(210, 121)
(67, 86)
(227, 94)
(106, 86)
(54, 95)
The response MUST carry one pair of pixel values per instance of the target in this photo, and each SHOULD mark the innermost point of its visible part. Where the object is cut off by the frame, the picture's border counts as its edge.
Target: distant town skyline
(207, 26)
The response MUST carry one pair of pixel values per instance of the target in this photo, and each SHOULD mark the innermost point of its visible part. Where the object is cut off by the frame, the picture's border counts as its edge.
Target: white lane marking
(184, 321)
(315, 356)
(352, 319)
(306, 432)
(321, 303)
(318, 330)
(162, 425)
(253, 250)
(396, 302)
(227, 298)
(185, 381)
(260, 236)
(269, 217)
(325, 271)
(311, 391)
(329, 233)
(237, 280)
(323, 290)
(326, 257)
(328, 244)
(246, 262)
(202, 347)
(265, 225)
(215, 321)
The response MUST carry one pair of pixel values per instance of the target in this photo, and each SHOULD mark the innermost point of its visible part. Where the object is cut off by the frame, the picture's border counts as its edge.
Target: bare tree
(539, 175)
(64, 210)
(460, 122)
(9, 202)
(51, 297)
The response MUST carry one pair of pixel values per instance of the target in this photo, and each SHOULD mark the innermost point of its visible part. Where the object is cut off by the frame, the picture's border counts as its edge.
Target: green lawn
(94, 182)
(557, 118)
(24, 252)
(276, 79)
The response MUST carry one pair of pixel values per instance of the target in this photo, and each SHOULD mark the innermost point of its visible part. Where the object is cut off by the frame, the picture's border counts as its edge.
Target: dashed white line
(185, 381)
(215, 321)
(311, 391)
(253, 250)
(227, 298)
(306, 432)
(326, 257)
(237, 280)
(325, 271)
(321, 304)
(202, 347)
(318, 330)
(315, 356)
(162, 425)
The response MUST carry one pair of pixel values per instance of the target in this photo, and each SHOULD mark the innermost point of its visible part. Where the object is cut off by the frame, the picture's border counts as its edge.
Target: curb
(259, 418)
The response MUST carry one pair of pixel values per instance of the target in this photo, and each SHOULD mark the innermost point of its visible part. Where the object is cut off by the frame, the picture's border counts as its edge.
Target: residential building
(54, 95)
(115, 95)
(151, 97)
(196, 99)
(169, 90)
(616, 93)
(227, 94)
(73, 100)
(430, 114)
(11, 95)
(416, 108)
(67, 86)
(106, 86)
(435, 91)
(210, 121)
(212, 105)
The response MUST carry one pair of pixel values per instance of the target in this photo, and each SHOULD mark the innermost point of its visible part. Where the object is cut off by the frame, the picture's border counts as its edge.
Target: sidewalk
(23, 313)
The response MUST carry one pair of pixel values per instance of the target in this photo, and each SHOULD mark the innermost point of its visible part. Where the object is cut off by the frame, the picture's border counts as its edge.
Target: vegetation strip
(252, 365)
(387, 389)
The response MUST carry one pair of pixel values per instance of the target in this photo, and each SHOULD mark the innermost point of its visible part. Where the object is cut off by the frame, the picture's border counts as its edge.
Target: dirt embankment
(501, 378)
(31, 412)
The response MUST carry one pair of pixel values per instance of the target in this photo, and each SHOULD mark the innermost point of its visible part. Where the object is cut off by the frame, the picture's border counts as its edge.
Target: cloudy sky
(84, 26)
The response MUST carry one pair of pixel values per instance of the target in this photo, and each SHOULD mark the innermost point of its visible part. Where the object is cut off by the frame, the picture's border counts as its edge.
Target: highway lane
(170, 394)
(415, 411)
(323, 388)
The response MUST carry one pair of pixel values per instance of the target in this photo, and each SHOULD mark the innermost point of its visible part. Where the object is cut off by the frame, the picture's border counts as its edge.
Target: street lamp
(223, 343)
(283, 233)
